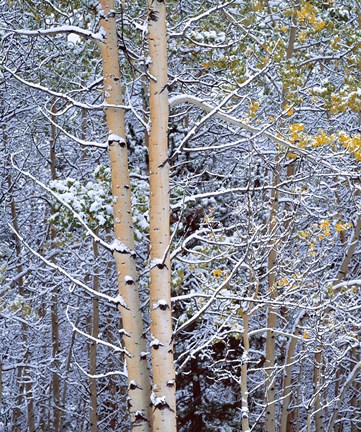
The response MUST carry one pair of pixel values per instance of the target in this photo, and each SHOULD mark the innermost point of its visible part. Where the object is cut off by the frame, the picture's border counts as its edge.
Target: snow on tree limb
(200, 103)
(76, 281)
(53, 31)
(71, 101)
(115, 246)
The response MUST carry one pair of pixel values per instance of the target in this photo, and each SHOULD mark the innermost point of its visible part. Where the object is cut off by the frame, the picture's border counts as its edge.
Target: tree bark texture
(134, 342)
(93, 347)
(163, 394)
(244, 370)
(55, 292)
(23, 373)
(272, 316)
(316, 385)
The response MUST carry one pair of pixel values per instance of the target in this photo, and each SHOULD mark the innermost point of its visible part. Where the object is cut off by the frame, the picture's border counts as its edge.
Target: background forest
(228, 145)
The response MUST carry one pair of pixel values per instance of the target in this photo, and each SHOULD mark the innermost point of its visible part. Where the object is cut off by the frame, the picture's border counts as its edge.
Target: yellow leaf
(305, 335)
(318, 26)
(339, 226)
(289, 110)
(296, 127)
(217, 273)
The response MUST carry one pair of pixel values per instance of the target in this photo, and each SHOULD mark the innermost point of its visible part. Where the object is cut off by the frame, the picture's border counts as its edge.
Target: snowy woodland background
(265, 214)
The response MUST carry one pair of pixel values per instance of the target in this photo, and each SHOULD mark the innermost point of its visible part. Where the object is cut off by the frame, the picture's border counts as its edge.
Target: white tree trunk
(134, 343)
(163, 395)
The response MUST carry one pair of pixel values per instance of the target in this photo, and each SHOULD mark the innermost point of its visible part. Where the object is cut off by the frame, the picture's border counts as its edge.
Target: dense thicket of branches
(264, 150)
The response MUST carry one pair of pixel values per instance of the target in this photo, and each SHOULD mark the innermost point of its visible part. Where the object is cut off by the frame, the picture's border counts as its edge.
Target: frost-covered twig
(117, 300)
(215, 111)
(72, 137)
(115, 246)
(70, 100)
(212, 298)
(103, 375)
(97, 340)
(66, 29)
(197, 18)
(352, 375)
(190, 99)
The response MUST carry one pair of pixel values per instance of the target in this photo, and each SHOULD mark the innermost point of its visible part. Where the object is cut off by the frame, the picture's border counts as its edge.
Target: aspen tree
(54, 297)
(287, 377)
(163, 394)
(134, 343)
(23, 371)
(316, 385)
(351, 376)
(1, 380)
(93, 347)
(67, 369)
(272, 314)
(244, 388)
(272, 260)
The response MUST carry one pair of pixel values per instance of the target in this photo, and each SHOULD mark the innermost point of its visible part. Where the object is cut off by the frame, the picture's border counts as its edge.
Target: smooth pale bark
(349, 253)
(355, 399)
(163, 395)
(290, 171)
(22, 372)
(244, 389)
(1, 380)
(55, 292)
(308, 421)
(93, 346)
(67, 369)
(338, 427)
(293, 420)
(316, 385)
(133, 340)
(55, 354)
(289, 54)
(272, 316)
(287, 375)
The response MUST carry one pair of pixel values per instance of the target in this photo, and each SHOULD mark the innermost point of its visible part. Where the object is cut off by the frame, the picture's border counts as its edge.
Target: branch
(104, 375)
(199, 17)
(96, 340)
(74, 138)
(352, 375)
(99, 36)
(212, 112)
(117, 300)
(116, 246)
(216, 292)
(198, 102)
(71, 101)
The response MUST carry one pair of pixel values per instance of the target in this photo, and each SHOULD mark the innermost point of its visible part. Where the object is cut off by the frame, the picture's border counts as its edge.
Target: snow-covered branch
(67, 29)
